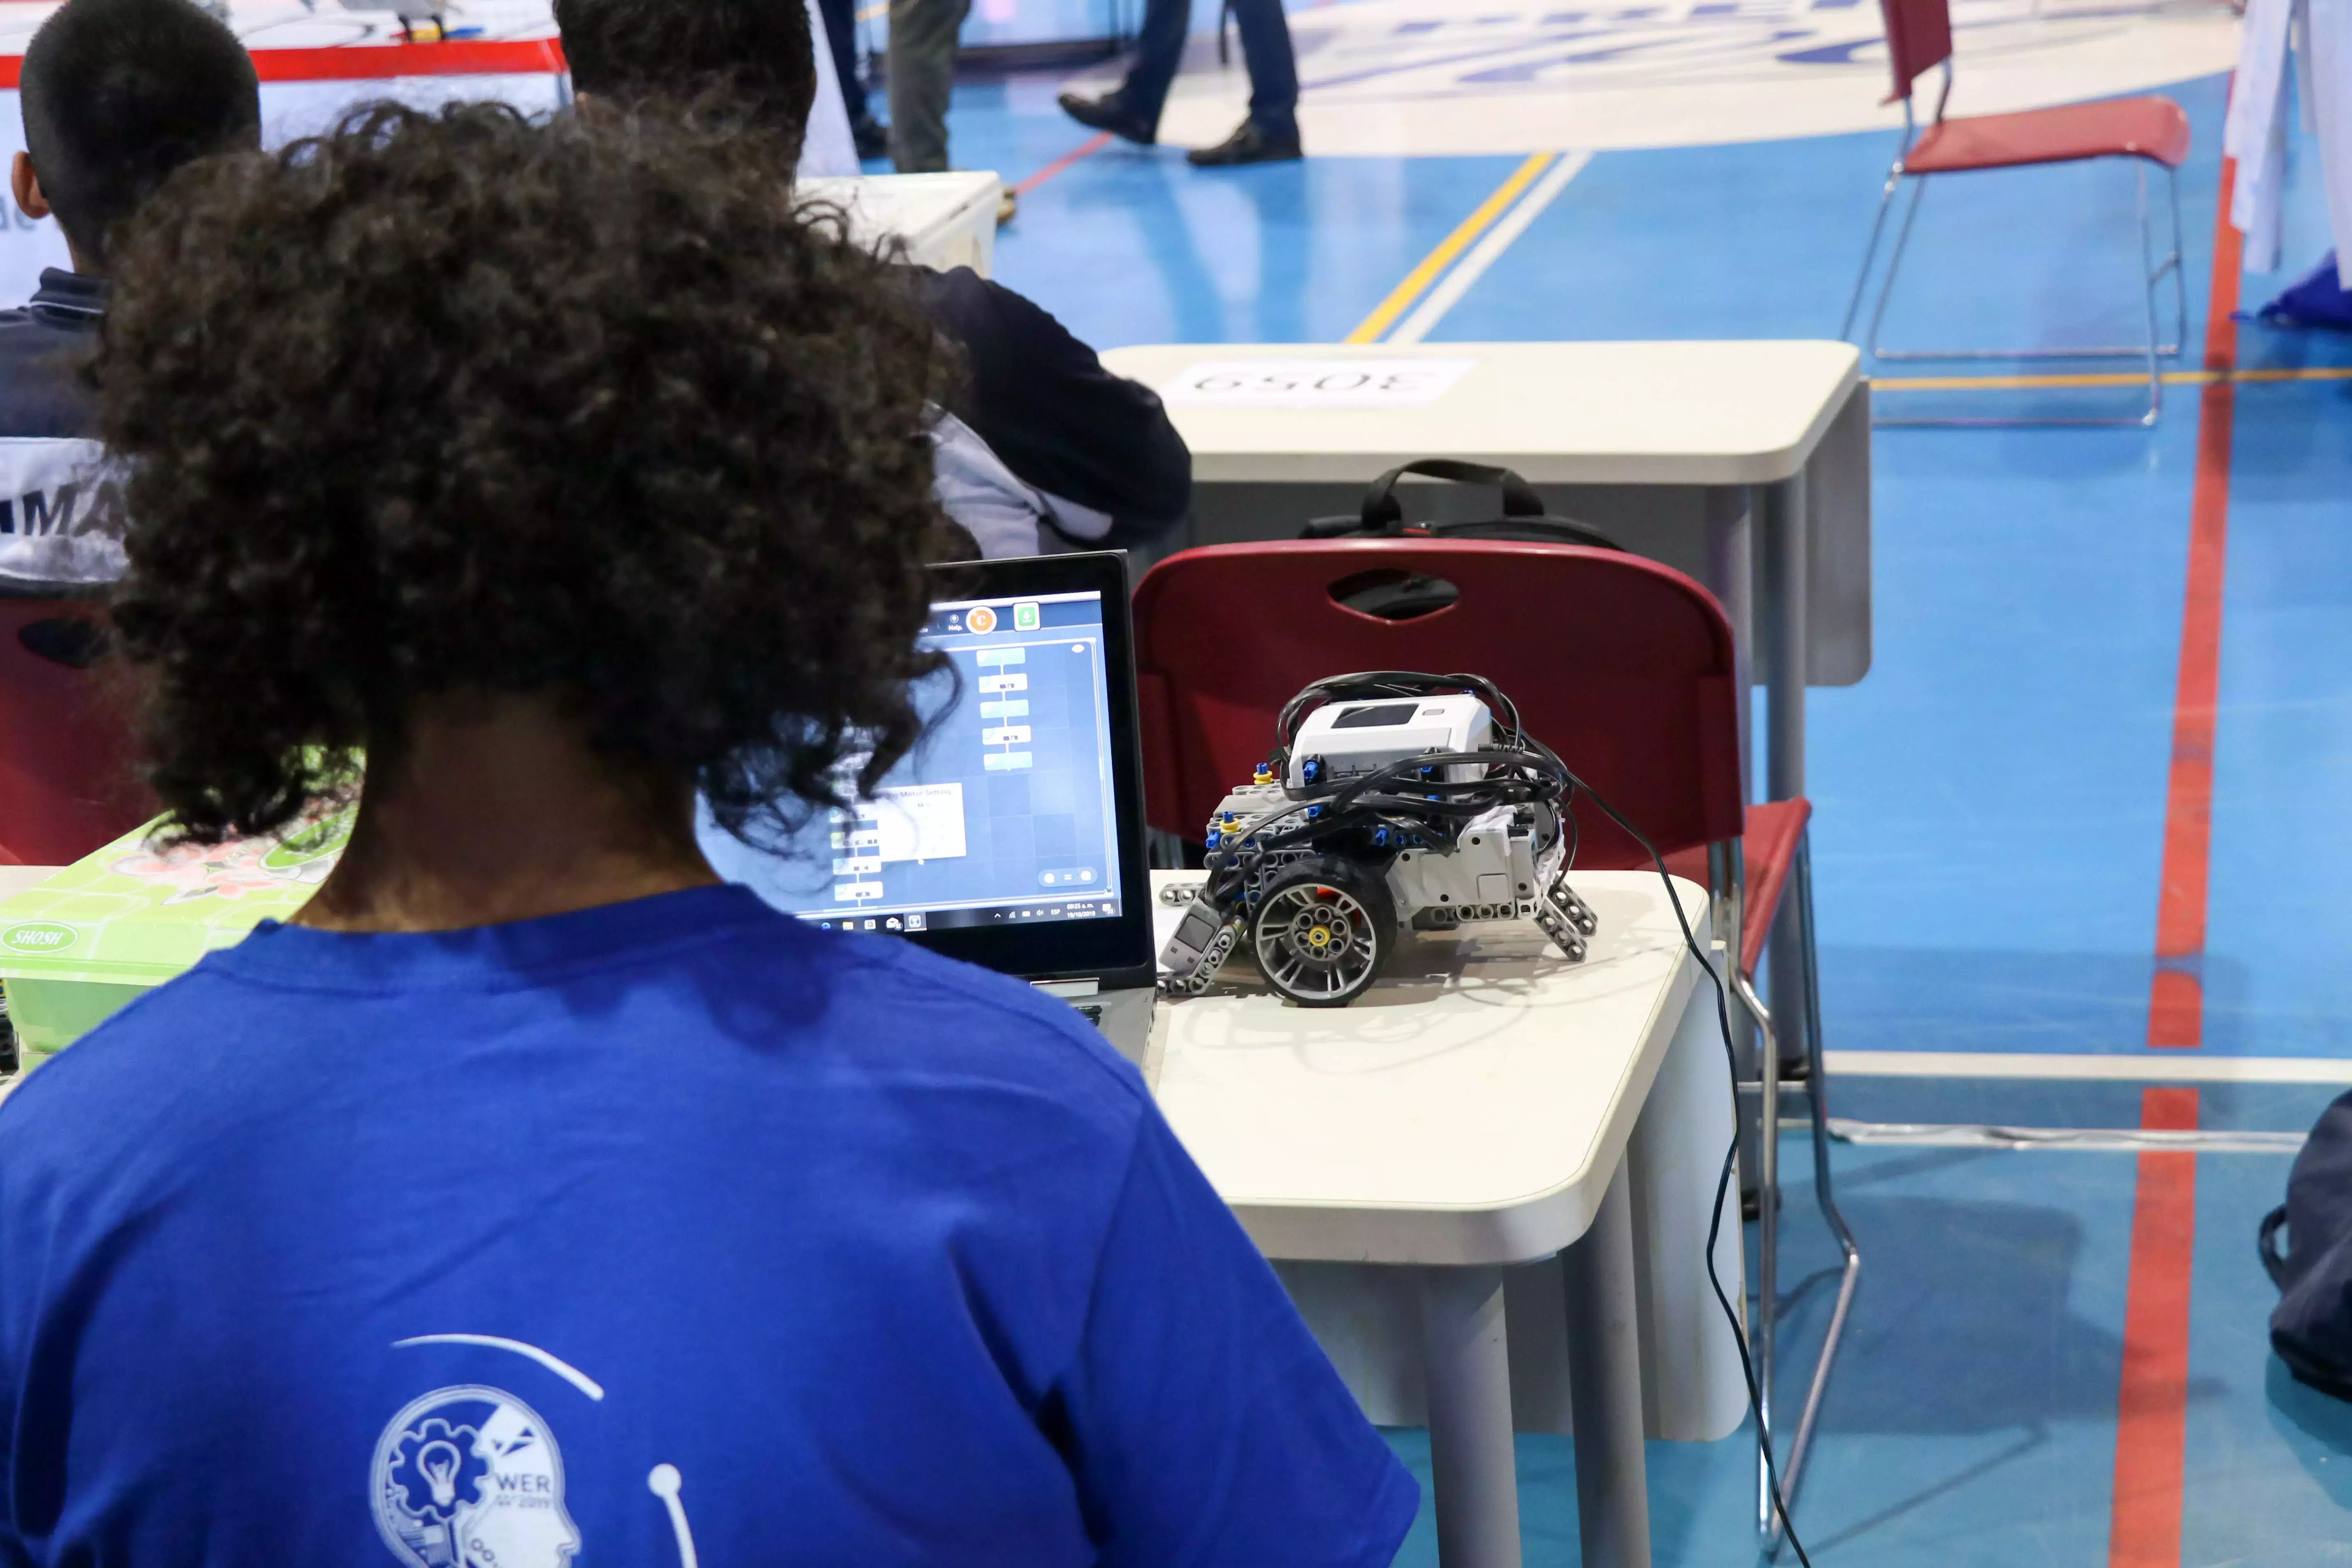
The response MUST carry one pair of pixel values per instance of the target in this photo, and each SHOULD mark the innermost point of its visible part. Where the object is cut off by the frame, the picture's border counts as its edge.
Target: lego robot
(1393, 802)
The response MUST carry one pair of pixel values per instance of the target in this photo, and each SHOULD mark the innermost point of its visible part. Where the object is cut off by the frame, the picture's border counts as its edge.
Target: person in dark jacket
(116, 94)
(1046, 436)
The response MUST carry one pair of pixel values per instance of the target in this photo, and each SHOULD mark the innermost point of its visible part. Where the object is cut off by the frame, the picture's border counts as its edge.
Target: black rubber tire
(1340, 900)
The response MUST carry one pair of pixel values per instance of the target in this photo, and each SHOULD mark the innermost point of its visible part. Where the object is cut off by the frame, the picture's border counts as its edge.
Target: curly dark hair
(460, 403)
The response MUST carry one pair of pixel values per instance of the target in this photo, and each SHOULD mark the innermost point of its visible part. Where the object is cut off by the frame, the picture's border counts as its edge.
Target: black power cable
(1730, 1160)
(1543, 777)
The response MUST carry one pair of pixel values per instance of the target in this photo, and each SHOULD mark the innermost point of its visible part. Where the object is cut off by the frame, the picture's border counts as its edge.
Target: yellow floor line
(1417, 282)
(2102, 378)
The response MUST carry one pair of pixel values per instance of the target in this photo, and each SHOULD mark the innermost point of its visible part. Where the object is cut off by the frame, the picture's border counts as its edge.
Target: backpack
(2312, 1326)
(1398, 596)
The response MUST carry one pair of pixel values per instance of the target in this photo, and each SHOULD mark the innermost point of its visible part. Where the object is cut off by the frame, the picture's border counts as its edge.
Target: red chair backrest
(1918, 39)
(65, 780)
(1622, 666)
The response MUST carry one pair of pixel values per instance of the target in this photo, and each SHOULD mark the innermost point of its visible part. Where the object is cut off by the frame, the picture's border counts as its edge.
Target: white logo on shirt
(469, 1476)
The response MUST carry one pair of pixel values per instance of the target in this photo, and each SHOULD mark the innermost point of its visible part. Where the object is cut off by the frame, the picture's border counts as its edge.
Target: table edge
(1515, 1230)
(1766, 466)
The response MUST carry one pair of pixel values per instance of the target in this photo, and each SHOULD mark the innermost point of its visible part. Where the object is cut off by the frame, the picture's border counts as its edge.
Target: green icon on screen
(1025, 617)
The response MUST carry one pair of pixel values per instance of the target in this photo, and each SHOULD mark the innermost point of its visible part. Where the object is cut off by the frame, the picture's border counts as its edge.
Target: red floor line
(1086, 149)
(2176, 1009)
(2152, 1407)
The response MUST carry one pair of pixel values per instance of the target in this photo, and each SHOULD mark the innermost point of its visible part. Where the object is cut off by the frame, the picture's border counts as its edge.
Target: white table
(1745, 464)
(15, 880)
(1487, 1185)
(947, 220)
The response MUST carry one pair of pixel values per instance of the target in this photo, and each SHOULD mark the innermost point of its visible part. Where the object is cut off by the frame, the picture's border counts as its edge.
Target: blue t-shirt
(668, 1221)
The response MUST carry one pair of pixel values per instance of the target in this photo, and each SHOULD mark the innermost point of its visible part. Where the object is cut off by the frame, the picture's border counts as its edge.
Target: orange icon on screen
(979, 619)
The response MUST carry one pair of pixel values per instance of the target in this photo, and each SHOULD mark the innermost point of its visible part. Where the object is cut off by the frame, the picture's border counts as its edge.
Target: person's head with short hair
(759, 53)
(454, 428)
(118, 94)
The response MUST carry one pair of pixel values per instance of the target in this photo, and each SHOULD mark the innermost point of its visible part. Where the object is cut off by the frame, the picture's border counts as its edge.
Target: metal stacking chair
(65, 784)
(1622, 666)
(2151, 130)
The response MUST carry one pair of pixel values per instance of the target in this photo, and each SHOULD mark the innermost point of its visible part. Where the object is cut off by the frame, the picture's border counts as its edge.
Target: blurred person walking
(1270, 134)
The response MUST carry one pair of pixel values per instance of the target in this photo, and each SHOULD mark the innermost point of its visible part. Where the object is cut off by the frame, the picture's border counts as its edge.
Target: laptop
(1012, 835)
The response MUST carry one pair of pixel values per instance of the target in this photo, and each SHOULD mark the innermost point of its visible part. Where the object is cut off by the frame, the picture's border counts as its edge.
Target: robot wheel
(1324, 931)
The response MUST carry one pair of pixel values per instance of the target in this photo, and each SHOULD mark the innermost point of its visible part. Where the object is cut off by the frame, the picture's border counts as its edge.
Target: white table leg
(1783, 631)
(1468, 1368)
(1785, 609)
(1604, 1383)
(1731, 530)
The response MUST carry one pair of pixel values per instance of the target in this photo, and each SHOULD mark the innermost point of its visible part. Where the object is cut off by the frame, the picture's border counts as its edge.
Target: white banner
(318, 58)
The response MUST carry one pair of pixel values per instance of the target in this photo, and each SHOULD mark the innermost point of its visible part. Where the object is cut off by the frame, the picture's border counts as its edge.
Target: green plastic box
(128, 918)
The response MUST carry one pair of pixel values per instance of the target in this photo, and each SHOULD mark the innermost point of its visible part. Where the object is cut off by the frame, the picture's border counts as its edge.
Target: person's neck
(497, 810)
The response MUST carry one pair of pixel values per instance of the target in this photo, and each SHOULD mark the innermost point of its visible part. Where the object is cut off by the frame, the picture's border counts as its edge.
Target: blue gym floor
(1992, 799)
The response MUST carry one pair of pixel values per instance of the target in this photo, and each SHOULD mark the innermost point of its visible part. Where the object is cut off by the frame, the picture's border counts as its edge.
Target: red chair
(1622, 666)
(2151, 130)
(65, 780)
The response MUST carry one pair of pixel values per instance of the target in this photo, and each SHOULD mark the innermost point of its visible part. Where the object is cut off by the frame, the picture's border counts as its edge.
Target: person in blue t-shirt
(534, 1197)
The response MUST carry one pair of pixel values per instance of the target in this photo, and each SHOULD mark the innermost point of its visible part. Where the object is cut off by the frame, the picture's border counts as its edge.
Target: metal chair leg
(2148, 289)
(1869, 251)
(2105, 350)
(2180, 268)
(1895, 265)
(1727, 877)
(2151, 351)
(1825, 1194)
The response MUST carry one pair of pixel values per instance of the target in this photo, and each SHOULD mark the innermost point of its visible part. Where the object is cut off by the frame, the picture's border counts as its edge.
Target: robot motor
(1393, 802)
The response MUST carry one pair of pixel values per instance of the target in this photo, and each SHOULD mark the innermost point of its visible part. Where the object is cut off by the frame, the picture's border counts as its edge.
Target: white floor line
(2184, 1066)
(1489, 248)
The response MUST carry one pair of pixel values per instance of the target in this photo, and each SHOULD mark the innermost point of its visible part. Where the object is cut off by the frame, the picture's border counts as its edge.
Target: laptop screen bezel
(1117, 950)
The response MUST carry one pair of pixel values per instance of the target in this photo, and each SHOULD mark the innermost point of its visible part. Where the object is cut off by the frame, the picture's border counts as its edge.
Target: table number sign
(1317, 383)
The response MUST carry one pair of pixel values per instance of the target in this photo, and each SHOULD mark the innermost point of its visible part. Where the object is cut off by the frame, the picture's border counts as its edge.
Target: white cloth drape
(2318, 33)
(828, 149)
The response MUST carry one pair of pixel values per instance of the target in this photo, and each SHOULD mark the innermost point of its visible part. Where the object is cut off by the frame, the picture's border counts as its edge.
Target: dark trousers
(922, 77)
(1265, 49)
(841, 33)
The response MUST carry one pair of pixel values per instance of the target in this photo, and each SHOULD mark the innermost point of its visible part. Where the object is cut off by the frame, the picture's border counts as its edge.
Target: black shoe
(872, 137)
(1107, 114)
(1247, 145)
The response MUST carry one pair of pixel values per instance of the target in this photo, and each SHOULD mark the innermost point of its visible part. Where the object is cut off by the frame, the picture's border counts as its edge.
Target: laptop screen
(999, 837)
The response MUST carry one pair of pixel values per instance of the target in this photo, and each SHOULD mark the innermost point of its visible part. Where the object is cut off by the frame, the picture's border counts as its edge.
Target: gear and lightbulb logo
(471, 1477)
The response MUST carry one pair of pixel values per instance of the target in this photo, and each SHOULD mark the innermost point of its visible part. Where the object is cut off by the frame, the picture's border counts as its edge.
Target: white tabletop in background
(947, 219)
(1471, 1109)
(1570, 413)
(905, 204)
(15, 880)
